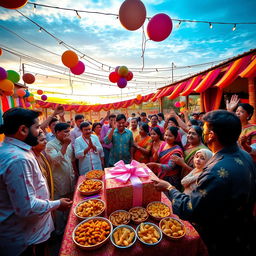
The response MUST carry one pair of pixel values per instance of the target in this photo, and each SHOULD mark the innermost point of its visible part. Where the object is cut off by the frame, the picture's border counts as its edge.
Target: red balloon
(13, 4)
(78, 69)
(113, 77)
(21, 92)
(132, 14)
(159, 27)
(40, 92)
(129, 76)
(28, 78)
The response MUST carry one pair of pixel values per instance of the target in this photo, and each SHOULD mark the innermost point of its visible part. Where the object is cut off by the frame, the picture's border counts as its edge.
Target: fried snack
(158, 210)
(90, 208)
(138, 214)
(95, 174)
(123, 236)
(148, 233)
(172, 228)
(90, 185)
(92, 232)
(119, 217)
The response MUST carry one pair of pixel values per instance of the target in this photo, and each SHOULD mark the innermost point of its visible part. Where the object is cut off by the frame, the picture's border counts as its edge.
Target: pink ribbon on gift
(123, 172)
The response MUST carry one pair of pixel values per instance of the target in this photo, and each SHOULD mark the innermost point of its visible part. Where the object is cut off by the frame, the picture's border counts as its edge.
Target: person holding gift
(122, 141)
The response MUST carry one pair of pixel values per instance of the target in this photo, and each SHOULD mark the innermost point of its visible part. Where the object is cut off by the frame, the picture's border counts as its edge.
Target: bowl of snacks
(94, 174)
(120, 217)
(92, 233)
(89, 208)
(138, 214)
(149, 233)
(123, 236)
(90, 187)
(173, 228)
(158, 210)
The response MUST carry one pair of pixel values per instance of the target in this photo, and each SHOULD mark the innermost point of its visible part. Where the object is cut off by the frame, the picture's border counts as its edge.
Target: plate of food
(90, 187)
(138, 214)
(94, 174)
(89, 208)
(158, 210)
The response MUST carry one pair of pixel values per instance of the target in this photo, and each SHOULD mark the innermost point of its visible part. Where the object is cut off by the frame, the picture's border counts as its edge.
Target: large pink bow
(123, 172)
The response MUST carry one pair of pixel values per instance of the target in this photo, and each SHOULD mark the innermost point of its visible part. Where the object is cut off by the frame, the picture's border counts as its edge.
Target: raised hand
(232, 104)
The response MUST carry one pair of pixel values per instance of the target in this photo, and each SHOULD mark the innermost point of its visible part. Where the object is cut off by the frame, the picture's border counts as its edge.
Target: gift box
(127, 186)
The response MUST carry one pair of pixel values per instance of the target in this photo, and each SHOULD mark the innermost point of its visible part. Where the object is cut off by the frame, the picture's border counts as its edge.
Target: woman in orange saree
(166, 168)
(143, 145)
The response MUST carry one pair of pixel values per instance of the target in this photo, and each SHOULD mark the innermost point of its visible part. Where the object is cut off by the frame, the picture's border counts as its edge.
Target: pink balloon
(159, 27)
(116, 69)
(177, 104)
(44, 97)
(27, 104)
(122, 82)
(78, 69)
(3, 74)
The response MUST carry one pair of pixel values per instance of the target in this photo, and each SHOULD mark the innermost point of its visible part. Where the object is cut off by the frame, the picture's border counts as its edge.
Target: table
(190, 245)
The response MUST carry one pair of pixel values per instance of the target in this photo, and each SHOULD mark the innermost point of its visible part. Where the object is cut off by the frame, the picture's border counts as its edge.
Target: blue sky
(104, 39)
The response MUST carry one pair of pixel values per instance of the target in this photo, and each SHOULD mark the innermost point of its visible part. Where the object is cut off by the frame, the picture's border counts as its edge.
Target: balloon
(13, 4)
(139, 97)
(44, 97)
(129, 76)
(122, 82)
(40, 92)
(78, 69)
(182, 110)
(132, 14)
(20, 92)
(3, 73)
(177, 104)
(123, 71)
(113, 77)
(9, 93)
(182, 103)
(27, 93)
(30, 98)
(159, 27)
(13, 76)
(27, 104)
(28, 78)
(6, 85)
(69, 59)
(1, 51)
(116, 69)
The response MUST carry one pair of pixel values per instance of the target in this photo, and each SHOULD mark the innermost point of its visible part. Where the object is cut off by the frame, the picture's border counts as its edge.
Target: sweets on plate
(90, 208)
(123, 236)
(138, 214)
(158, 210)
(120, 217)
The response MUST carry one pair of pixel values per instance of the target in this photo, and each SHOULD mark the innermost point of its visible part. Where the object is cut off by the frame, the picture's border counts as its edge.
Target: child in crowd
(201, 158)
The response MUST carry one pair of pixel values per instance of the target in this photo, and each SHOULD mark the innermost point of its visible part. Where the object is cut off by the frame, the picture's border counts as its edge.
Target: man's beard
(31, 140)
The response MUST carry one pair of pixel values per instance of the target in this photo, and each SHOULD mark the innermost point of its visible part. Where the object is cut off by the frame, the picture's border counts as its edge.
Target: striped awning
(191, 85)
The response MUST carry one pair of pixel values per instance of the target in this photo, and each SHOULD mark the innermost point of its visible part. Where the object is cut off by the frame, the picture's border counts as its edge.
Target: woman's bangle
(170, 187)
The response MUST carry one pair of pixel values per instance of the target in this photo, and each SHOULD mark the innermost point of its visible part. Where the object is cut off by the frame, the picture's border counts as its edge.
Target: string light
(40, 30)
(234, 28)
(78, 16)
(178, 24)
(116, 15)
(210, 25)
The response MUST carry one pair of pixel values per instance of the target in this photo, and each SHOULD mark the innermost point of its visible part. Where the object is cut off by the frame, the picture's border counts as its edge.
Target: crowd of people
(205, 163)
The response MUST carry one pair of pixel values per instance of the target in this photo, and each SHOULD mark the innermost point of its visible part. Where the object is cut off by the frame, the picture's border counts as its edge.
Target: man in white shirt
(25, 209)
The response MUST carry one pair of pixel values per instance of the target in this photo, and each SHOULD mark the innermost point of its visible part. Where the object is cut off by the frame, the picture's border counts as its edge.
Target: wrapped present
(129, 185)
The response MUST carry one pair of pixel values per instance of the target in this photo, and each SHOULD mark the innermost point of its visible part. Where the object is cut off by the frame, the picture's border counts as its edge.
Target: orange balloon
(40, 92)
(6, 85)
(30, 99)
(182, 103)
(69, 59)
(1, 51)
(21, 92)
(132, 14)
(139, 97)
(37, 106)
(9, 93)
(13, 4)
